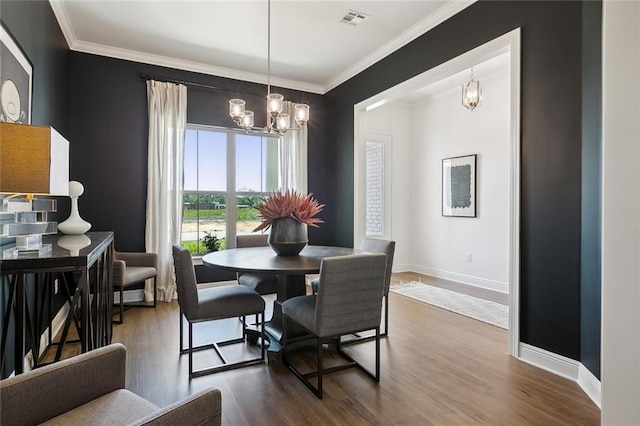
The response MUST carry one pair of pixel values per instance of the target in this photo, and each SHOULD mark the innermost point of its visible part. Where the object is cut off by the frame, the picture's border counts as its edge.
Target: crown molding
(442, 14)
(439, 16)
(164, 61)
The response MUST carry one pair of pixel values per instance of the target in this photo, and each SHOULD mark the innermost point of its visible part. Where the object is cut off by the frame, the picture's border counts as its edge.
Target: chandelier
(471, 93)
(277, 120)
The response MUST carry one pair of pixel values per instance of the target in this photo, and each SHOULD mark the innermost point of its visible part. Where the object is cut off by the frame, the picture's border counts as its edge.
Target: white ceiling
(311, 50)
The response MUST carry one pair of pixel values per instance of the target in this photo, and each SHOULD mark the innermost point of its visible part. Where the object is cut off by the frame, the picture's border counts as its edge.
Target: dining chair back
(348, 301)
(210, 304)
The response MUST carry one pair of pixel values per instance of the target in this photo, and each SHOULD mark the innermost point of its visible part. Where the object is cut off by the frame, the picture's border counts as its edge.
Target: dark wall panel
(591, 186)
(34, 26)
(551, 146)
(36, 29)
(108, 109)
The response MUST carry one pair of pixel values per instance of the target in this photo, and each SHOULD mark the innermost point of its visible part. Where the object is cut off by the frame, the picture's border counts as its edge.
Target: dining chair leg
(377, 354)
(121, 304)
(320, 352)
(386, 315)
(262, 340)
(155, 291)
(190, 349)
(181, 332)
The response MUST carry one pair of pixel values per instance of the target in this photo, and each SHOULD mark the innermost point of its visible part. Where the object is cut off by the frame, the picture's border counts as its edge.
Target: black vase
(288, 236)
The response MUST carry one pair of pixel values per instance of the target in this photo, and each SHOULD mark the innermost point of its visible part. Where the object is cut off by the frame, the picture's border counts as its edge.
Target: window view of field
(210, 190)
(204, 221)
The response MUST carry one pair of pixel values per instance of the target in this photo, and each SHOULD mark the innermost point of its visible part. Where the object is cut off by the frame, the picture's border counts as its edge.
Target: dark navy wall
(591, 186)
(35, 28)
(108, 106)
(551, 148)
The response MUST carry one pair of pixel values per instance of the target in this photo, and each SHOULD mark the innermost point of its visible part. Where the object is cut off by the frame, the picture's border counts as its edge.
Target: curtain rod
(145, 77)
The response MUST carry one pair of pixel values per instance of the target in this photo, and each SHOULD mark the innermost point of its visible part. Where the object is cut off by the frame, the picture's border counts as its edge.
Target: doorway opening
(412, 152)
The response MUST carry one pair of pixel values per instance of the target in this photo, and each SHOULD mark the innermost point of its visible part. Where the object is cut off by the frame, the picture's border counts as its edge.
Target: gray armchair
(89, 389)
(130, 269)
(348, 301)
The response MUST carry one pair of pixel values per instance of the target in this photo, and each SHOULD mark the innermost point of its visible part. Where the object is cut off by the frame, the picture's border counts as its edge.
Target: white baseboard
(498, 286)
(590, 384)
(129, 296)
(563, 367)
(549, 361)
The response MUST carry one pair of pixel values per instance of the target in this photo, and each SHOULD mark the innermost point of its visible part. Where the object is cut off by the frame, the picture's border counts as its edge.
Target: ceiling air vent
(353, 17)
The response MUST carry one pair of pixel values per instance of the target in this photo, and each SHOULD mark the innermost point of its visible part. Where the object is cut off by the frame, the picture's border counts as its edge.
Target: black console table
(91, 267)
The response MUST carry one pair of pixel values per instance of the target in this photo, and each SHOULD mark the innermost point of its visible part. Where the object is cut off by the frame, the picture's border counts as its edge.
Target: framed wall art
(16, 75)
(459, 186)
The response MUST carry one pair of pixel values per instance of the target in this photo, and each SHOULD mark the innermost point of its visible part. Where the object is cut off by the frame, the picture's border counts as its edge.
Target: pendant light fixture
(277, 120)
(471, 93)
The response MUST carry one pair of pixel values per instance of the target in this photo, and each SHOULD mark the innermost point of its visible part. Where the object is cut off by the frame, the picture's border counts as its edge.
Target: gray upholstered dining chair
(348, 301)
(130, 268)
(375, 245)
(210, 304)
(261, 283)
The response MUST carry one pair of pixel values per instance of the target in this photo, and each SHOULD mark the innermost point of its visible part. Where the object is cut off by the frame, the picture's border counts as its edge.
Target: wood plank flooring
(438, 368)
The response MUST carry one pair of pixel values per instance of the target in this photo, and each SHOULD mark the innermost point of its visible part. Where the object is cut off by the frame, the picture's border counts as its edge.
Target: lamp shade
(33, 160)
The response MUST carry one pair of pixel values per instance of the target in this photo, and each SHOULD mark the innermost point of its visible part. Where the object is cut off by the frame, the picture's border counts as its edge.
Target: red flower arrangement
(301, 207)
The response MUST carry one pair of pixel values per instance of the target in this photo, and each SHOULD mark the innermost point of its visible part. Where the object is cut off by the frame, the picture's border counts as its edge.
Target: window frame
(231, 192)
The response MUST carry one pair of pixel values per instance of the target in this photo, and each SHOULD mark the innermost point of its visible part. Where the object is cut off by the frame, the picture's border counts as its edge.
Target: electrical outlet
(469, 257)
(56, 287)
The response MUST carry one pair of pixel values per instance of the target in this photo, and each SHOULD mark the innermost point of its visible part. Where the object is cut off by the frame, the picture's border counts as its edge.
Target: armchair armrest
(201, 408)
(62, 386)
(119, 268)
(137, 259)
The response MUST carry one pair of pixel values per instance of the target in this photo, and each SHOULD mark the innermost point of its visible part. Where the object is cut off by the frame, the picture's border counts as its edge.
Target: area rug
(479, 309)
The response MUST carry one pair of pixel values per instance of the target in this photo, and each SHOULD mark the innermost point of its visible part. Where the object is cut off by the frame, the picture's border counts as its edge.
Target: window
(225, 173)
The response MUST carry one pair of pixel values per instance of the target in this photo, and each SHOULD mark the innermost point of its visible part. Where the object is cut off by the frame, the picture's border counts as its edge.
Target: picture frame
(459, 186)
(16, 73)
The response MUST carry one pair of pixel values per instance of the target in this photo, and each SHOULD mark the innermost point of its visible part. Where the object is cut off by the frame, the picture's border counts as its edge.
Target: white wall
(392, 122)
(425, 133)
(621, 220)
(443, 128)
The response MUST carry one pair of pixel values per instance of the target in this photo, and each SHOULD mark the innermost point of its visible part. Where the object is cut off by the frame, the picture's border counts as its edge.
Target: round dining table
(291, 271)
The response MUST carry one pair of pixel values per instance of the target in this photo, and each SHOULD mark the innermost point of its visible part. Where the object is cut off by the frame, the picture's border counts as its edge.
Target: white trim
(563, 367)
(488, 284)
(130, 296)
(590, 385)
(509, 42)
(439, 16)
(514, 196)
(445, 12)
(549, 361)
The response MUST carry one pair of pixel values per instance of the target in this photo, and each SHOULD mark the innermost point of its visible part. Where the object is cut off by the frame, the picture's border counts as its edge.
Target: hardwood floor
(438, 368)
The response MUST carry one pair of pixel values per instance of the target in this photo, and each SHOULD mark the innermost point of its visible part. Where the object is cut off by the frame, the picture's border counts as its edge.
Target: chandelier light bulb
(275, 103)
(236, 109)
(283, 122)
(301, 113)
(247, 120)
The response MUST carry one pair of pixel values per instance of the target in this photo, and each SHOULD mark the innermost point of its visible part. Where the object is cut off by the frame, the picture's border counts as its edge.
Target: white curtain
(167, 122)
(293, 156)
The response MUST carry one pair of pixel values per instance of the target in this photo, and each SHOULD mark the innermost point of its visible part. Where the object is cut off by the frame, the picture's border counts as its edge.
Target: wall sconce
(34, 160)
(471, 93)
